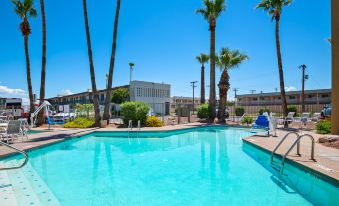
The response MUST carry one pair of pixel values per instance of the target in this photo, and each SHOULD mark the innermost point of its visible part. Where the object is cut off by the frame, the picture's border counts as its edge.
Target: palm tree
(131, 65)
(41, 118)
(26, 10)
(274, 8)
(211, 12)
(202, 59)
(91, 67)
(226, 60)
(111, 65)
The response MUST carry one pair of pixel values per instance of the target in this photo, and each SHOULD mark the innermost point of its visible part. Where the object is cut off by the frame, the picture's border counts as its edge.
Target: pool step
(276, 166)
(29, 189)
(7, 196)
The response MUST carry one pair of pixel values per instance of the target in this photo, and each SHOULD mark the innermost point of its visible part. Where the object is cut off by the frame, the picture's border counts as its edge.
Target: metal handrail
(139, 125)
(18, 150)
(296, 142)
(282, 140)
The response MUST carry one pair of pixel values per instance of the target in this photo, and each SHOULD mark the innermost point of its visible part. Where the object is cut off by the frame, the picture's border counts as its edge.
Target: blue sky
(162, 38)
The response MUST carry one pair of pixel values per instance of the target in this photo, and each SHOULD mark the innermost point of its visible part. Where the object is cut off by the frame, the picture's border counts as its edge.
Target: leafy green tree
(274, 8)
(211, 11)
(202, 59)
(25, 9)
(120, 95)
(226, 60)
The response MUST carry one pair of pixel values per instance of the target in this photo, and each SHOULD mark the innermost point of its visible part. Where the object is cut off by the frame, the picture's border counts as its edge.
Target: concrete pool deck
(327, 158)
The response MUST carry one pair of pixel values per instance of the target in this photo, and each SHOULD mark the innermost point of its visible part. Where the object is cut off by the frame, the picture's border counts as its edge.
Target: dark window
(292, 97)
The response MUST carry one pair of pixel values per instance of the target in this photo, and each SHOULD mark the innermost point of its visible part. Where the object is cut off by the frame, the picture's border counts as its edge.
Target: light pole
(304, 77)
(235, 96)
(193, 86)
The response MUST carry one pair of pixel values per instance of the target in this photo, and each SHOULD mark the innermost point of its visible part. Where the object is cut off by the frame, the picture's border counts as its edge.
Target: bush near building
(134, 111)
(204, 111)
(80, 122)
(292, 108)
(247, 120)
(262, 111)
(239, 111)
(154, 121)
(323, 127)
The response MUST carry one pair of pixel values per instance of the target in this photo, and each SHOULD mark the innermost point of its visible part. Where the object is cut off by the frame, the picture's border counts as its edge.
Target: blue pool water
(206, 166)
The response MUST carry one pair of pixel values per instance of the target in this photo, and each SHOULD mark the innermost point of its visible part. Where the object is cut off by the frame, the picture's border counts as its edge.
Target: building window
(291, 97)
(324, 95)
(255, 99)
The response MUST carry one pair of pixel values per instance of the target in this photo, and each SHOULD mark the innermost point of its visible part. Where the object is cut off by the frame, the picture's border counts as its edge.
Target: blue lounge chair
(263, 123)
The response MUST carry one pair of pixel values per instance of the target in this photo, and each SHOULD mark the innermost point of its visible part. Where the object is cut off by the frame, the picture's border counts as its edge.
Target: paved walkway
(327, 159)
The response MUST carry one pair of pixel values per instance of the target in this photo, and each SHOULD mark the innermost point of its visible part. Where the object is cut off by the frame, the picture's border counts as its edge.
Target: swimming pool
(204, 166)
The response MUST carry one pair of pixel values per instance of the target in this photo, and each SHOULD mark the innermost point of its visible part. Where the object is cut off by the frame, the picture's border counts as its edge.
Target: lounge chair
(289, 118)
(262, 123)
(316, 116)
(13, 130)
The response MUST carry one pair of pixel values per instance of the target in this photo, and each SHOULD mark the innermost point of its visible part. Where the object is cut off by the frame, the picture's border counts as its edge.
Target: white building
(156, 95)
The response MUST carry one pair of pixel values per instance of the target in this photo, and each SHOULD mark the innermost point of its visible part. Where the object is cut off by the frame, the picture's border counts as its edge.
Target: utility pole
(193, 86)
(235, 96)
(304, 77)
(252, 91)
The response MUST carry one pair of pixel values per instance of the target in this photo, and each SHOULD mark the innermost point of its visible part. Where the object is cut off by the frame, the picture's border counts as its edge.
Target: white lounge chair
(13, 130)
(289, 118)
(315, 117)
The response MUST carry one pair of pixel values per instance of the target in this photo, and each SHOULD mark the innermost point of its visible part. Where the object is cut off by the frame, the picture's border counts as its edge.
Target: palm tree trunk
(111, 65)
(29, 82)
(202, 86)
(41, 118)
(92, 72)
(281, 73)
(212, 100)
(223, 89)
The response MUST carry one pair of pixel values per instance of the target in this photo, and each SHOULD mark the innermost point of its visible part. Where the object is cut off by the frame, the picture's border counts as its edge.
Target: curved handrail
(297, 142)
(18, 150)
(282, 140)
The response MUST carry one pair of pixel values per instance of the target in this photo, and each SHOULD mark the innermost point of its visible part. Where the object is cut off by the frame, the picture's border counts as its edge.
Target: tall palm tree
(226, 60)
(25, 9)
(91, 67)
(41, 118)
(211, 12)
(111, 65)
(202, 59)
(131, 65)
(274, 8)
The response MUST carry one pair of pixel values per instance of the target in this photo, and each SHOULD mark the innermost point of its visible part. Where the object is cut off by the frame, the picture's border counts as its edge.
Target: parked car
(326, 112)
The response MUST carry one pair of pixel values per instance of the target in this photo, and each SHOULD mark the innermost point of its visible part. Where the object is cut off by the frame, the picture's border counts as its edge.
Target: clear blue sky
(162, 38)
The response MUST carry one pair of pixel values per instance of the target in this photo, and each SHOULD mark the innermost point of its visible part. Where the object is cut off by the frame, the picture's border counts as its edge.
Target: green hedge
(292, 108)
(323, 127)
(204, 111)
(134, 111)
(80, 122)
(239, 111)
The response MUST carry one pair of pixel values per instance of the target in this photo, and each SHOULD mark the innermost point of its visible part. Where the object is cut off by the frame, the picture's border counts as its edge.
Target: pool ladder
(280, 166)
(18, 150)
(130, 128)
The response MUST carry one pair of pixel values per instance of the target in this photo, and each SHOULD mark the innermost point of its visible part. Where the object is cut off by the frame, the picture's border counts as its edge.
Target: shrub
(204, 111)
(262, 111)
(323, 127)
(80, 122)
(247, 120)
(154, 121)
(239, 111)
(292, 108)
(134, 111)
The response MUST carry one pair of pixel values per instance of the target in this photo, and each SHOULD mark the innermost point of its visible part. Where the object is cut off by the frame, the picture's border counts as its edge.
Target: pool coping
(327, 178)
